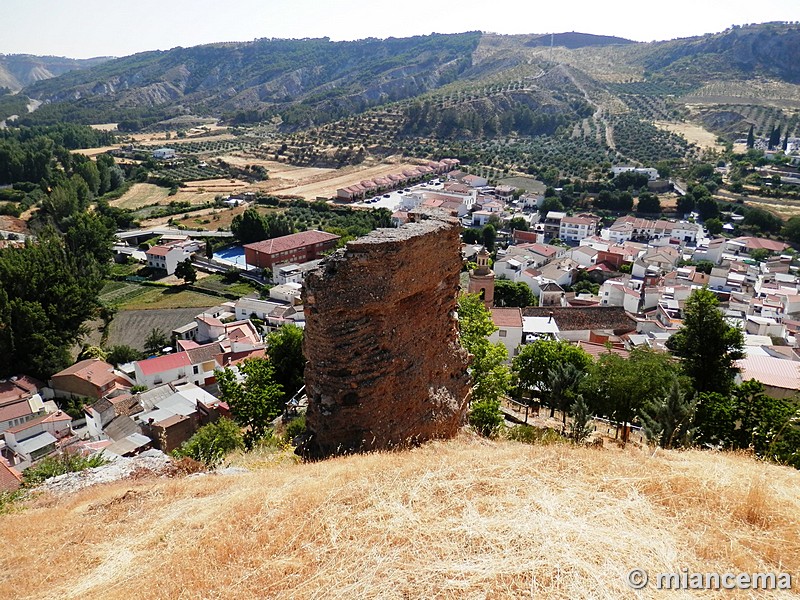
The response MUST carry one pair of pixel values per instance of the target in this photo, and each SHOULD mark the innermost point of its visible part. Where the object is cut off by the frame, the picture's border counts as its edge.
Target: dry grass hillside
(461, 519)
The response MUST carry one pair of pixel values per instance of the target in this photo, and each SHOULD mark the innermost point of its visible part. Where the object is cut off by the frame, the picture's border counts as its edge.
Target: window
(503, 333)
(195, 369)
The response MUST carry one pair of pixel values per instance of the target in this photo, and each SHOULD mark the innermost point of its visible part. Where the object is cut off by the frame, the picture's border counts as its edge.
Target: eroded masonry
(385, 368)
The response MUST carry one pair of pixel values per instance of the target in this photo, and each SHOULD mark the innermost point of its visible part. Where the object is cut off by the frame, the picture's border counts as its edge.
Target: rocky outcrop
(385, 368)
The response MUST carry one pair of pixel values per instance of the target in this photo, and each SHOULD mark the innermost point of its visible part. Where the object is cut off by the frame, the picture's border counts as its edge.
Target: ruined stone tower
(481, 280)
(385, 368)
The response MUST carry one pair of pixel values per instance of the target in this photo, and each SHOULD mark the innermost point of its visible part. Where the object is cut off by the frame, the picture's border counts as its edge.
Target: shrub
(59, 464)
(9, 500)
(212, 442)
(485, 417)
(523, 433)
(294, 428)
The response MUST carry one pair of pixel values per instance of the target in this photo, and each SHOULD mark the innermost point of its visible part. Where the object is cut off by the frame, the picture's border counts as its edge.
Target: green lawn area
(215, 283)
(172, 297)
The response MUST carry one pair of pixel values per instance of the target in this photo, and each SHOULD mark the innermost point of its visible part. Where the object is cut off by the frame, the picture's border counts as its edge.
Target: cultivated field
(694, 134)
(131, 327)
(143, 194)
(311, 182)
(468, 518)
(169, 297)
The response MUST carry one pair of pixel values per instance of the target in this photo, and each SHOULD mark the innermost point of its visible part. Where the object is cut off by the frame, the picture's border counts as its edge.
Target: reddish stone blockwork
(385, 368)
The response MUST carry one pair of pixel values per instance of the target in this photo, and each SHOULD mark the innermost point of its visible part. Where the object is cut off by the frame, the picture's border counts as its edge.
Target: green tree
(121, 354)
(46, 295)
(621, 387)
(562, 381)
(212, 442)
(535, 360)
(285, 351)
(185, 270)
(707, 345)
(760, 254)
(747, 418)
(508, 293)
(256, 401)
(648, 203)
(490, 375)
(792, 230)
(714, 226)
(549, 204)
(518, 223)
(751, 138)
(668, 421)
(155, 341)
(209, 250)
(581, 425)
(488, 236)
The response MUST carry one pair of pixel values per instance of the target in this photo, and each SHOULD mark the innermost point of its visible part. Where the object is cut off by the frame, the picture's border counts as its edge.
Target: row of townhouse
(630, 228)
(368, 187)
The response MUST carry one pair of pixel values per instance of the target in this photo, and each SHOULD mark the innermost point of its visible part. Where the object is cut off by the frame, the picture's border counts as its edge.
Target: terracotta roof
(15, 410)
(507, 317)
(93, 370)
(292, 242)
(203, 353)
(21, 387)
(158, 251)
(10, 478)
(159, 364)
(597, 350)
(756, 243)
(580, 220)
(774, 372)
(585, 317)
(51, 418)
(13, 224)
(234, 358)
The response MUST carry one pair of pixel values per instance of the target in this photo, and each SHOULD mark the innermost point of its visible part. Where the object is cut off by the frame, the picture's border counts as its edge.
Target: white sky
(86, 28)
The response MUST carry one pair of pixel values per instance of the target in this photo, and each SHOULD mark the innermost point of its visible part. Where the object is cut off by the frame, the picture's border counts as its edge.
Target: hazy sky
(85, 28)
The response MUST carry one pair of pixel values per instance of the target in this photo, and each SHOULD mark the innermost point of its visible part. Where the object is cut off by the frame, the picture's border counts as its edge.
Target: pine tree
(707, 344)
(581, 426)
(668, 421)
(751, 138)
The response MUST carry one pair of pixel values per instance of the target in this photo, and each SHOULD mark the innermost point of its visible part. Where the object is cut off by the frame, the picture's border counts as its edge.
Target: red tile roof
(13, 224)
(507, 317)
(51, 418)
(93, 370)
(597, 350)
(158, 251)
(15, 410)
(168, 362)
(292, 242)
(10, 478)
(756, 243)
(21, 387)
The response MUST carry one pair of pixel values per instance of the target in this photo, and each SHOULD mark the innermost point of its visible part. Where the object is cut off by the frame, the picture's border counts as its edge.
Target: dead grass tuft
(460, 519)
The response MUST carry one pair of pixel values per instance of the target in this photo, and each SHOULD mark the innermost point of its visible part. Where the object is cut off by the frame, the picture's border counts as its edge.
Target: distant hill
(769, 49)
(20, 70)
(476, 84)
(574, 40)
(336, 78)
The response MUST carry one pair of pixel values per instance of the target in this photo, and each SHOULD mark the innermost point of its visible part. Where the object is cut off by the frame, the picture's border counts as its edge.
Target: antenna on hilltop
(551, 47)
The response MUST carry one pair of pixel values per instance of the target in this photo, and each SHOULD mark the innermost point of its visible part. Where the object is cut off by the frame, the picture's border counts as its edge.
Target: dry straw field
(462, 519)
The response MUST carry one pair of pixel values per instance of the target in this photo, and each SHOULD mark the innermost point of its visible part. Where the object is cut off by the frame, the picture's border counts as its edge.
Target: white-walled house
(167, 256)
(652, 174)
(509, 329)
(575, 229)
